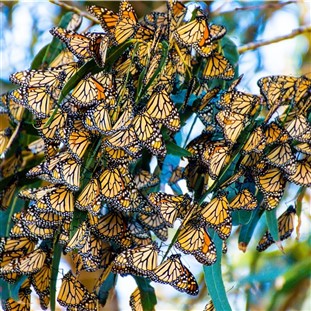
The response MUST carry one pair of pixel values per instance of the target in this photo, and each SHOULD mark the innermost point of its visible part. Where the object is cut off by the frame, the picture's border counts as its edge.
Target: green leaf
(241, 217)
(9, 290)
(148, 297)
(38, 60)
(247, 230)
(56, 45)
(230, 51)
(172, 148)
(214, 281)
(105, 287)
(5, 220)
(272, 224)
(55, 267)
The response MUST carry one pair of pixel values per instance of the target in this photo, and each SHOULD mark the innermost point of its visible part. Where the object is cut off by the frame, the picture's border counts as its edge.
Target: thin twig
(271, 5)
(75, 10)
(254, 45)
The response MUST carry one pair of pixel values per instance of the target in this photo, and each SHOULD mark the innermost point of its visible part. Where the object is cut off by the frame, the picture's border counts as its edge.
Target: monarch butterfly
(30, 263)
(51, 78)
(170, 206)
(118, 156)
(98, 49)
(111, 226)
(224, 229)
(51, 133)
(215, 156)
(44, 219)
(38, 101)
(31, 230)
(80, 45)
(303, 148)
(128, 200)
(282, 156)
(98, 119)
(122, 138)
(139, 260)
(13, 102)
(77, 139)
(60, 201)
(302, 176)
(112, 182)
(192, 32)
(90, 254)
(285, 229)
(217, 66)
(277, 89)
(135, 300)
(166, 77)
(209, 306)
(206, 255)
(9, 165)
(177, 174)
(60, 168)
(144, 179)
(256, 141)
(207, 98)
(23, 304)
(206, 46)
(161, 109)
(149, 135)
(173, 272)
(145, 33)
(231, 123)
(216, 211)
(274, 132)
(88, 92)
(127, 23)
(63, 58)
(244, 200)
(90, 198)
(107, 18)
(11, 248)
(183, 59)
(155, 19)
(238, 102)
(155, 223)
(272, 183)
(193, 239)
(139, 235)
(41, 283)
(176, 14)
(297, 125)
(72, 292)
(78, 239)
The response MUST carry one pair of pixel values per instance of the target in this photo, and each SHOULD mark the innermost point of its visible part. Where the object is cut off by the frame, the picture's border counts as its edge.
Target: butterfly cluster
(102, 109)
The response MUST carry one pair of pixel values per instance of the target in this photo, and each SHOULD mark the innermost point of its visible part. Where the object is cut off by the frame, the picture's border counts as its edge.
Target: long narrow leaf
(148, 297)
(272, 223)
(214, 281)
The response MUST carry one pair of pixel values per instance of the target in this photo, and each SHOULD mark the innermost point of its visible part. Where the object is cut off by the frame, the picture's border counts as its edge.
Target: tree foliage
(101, 132)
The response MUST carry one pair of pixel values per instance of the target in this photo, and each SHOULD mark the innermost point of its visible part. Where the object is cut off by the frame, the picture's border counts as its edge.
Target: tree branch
(271, 5)
(254, 45)
(75, 10)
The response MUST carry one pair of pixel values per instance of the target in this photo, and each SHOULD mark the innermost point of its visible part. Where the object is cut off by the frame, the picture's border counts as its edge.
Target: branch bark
(75, 10)
(255, 45)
